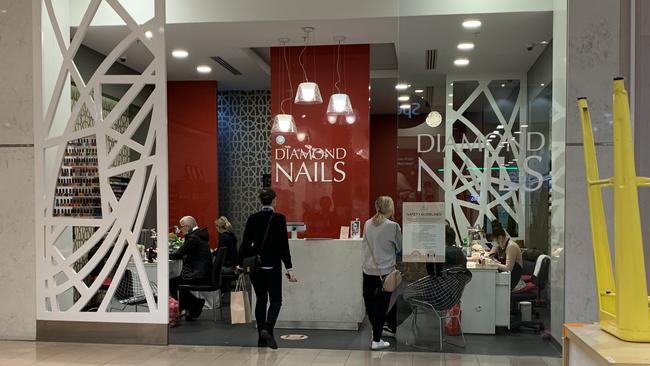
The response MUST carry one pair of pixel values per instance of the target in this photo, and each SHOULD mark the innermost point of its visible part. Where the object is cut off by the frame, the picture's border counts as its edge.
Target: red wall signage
(192, 159)
(322, 172)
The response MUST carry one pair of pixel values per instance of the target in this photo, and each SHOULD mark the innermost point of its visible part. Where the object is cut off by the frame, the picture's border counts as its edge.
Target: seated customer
(197, 266)
(508, 257)
(454, 256)
(227, 240)
(442, 286)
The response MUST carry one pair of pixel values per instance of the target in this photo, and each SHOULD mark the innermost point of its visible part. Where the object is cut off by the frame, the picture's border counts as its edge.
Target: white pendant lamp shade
(350, 118)
(332, 118)
(308, 93)
(283, 123)
(339, 104)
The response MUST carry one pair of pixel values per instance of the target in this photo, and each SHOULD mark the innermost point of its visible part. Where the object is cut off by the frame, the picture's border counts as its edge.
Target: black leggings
(376, 301)
(267, 284)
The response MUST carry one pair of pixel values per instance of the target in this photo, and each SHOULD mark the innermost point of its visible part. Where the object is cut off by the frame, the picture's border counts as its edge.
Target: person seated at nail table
(197, 266)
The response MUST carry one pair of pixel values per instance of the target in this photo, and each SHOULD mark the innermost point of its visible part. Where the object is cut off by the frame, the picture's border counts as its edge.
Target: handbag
(240, 306)
(390, 281)
(252, 263)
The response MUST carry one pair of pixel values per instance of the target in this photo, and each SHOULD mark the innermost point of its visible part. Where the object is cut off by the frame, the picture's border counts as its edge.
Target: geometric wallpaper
(244, 152)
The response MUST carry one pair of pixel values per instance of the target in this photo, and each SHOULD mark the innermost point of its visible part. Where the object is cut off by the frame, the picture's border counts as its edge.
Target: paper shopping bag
(240, 306)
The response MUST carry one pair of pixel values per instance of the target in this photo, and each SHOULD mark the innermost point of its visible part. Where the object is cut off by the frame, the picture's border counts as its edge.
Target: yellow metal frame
(622, 293)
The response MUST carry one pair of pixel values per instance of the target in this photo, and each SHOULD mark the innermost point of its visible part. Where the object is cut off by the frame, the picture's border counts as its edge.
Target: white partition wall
(100, 163)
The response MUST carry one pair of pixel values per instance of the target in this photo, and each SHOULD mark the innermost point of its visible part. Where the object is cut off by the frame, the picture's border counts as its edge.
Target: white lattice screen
(478, 168)
(78, 165)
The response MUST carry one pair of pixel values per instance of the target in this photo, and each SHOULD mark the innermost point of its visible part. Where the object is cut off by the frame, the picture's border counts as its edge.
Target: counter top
(604, 347)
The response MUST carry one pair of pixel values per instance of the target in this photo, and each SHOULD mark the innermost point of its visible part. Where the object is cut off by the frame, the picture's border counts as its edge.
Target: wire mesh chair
(437, 295)
(130, 292)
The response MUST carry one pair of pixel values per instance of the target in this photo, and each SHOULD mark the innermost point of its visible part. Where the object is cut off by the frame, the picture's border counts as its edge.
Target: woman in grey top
(382, 239)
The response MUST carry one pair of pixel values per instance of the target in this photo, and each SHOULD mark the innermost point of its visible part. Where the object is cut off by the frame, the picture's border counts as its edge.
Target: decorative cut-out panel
(101, 166)
(484, 153)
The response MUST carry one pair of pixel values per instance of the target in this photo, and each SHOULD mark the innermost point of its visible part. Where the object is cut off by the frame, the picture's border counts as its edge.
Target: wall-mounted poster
(424, 231)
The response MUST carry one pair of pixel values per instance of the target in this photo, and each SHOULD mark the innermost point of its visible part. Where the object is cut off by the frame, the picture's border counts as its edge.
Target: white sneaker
(379, 345)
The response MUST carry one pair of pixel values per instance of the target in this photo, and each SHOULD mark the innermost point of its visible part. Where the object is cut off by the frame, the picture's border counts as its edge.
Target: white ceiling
(500, 48)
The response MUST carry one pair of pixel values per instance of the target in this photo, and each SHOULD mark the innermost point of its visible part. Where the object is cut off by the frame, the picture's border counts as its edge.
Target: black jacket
(228, 240)
(454, 256)
(197, 259)
(276, 249)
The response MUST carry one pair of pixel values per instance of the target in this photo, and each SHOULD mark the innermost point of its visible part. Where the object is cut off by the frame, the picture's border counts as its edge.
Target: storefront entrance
(151, 114)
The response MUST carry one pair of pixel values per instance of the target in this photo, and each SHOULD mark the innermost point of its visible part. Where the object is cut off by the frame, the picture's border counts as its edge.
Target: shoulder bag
(390, 281)
(252, 264)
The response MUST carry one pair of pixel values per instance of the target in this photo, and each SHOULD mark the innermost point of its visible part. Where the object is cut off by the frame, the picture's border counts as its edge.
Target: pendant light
(339, 104)
(308, 91)
(283, 122)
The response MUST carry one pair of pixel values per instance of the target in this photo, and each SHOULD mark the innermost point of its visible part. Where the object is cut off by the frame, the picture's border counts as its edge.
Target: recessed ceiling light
(472, 24)
(179, 53)
(401, 86)
(450, 104)
(542, 84)
(524, 126)
(500, 127)
(419, 90)
(503, 85)
(204, 69)
(3, 11)
(465, 46)
(405, 106)
(451, 95)
(517, 132)
(148, 34)
(543, 42)
(461, 62)
(451, 84)
(403, 98)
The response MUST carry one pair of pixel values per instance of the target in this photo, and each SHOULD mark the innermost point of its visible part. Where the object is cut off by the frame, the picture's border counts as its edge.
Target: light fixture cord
(304, 72)
(286, 65)
(338, 72)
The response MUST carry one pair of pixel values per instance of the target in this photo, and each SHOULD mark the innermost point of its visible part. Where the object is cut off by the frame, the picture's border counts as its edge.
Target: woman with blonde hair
(227, 240)
(382, 239)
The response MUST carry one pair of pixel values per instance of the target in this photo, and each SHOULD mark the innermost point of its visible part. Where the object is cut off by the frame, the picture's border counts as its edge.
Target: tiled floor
(60, 354)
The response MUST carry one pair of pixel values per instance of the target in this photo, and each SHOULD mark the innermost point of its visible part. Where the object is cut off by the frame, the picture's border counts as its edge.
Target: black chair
(540, 279)
(215, 282)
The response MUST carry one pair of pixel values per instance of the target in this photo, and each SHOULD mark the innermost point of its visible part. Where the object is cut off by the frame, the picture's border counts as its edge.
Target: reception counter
(328, 294)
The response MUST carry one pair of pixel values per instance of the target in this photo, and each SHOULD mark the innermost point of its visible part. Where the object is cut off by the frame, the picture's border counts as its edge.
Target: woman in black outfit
(227, 240)
(267, 280)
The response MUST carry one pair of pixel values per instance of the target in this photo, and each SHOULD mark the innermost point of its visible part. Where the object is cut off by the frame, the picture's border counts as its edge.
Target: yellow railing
(622, 293)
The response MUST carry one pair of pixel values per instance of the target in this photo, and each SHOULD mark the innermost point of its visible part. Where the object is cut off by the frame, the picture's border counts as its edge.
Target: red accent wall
(192, 158)
(322, 204)
(383, 153)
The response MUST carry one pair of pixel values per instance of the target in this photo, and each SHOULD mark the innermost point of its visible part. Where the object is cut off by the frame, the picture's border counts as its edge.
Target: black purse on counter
(252, 264)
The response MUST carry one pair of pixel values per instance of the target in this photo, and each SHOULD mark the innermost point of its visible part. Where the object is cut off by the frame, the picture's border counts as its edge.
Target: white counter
(328, 294)
(486, 300)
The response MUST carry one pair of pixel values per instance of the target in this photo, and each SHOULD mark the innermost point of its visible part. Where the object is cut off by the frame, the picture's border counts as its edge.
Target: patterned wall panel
(244, 152)
(125, 143)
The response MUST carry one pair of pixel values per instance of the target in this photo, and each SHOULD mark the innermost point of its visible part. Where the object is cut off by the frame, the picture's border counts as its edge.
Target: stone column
(17, 262)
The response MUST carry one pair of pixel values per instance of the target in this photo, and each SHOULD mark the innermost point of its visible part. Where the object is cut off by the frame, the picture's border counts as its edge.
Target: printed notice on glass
(424, 231)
